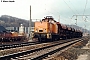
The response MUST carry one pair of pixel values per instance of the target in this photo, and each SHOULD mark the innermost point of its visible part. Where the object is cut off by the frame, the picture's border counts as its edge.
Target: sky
(64, 11)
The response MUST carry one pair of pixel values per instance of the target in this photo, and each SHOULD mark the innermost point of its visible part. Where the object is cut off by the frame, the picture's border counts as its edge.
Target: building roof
(2, 29)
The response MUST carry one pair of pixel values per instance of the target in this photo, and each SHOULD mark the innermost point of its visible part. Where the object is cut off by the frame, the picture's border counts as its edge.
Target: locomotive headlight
(48, 35)
(44, 30)
(36, 30)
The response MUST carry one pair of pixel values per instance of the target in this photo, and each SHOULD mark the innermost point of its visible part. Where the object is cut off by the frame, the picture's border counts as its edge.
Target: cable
(74, 7)
(84, 12)
(85, 7)
(55, 11)
(69, 7)
(58, 12)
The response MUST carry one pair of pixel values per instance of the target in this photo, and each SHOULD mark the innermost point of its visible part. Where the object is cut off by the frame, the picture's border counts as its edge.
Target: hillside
(9, 21)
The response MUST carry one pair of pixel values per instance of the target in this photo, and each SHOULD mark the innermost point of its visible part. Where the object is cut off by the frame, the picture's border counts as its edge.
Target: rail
(24, 53)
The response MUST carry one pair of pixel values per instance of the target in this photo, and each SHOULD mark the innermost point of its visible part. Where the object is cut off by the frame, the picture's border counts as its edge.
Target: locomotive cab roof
(48, 19)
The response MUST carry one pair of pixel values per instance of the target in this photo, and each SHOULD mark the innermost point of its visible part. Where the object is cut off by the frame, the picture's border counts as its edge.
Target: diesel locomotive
(50, 30)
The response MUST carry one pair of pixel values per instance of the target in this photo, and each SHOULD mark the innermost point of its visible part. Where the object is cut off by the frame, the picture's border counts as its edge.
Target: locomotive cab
(45, 29)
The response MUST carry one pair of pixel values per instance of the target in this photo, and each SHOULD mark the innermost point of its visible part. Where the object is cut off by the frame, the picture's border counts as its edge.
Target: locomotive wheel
(64, 38)
(53, 38)
(39, 39)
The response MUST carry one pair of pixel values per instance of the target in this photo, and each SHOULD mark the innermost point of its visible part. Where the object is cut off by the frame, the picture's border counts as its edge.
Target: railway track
(8, 46)
(37, 53)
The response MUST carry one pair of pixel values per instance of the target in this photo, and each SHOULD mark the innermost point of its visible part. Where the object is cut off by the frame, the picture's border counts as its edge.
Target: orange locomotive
(49, 30)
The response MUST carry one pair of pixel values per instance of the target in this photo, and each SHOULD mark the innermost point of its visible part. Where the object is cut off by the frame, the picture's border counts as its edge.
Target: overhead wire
(69, 7)
(84, 11)
(61, 14)
(85, 7)
(74, 7)
(76, 10)
(55, 11)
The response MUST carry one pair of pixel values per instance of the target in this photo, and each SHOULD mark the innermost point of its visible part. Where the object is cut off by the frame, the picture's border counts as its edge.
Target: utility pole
(85, 20)
(30, 26)
(76, 20)
(79, 15)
